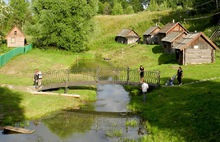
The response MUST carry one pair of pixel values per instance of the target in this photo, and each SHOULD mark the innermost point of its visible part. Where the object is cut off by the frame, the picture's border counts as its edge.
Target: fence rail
(99, 75)
(12, 53)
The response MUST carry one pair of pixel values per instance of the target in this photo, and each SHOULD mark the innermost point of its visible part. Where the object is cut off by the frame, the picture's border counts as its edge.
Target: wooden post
(158, 78)
(97, 74)
(66, 81)
(128, 73)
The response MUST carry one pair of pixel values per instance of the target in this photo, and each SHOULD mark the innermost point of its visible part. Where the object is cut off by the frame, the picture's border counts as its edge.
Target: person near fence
(141, 70)
(35, 79)
(39, 77)
(179, 75)
(144, 88)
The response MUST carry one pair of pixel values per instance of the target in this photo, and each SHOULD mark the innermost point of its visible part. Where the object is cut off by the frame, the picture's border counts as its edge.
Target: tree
(117, 8)
(5, 11)
(65, 24)
(129, 10)
(20, 12)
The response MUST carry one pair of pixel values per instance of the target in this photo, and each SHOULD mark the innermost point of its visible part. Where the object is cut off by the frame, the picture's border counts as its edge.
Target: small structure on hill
(168, 28)
(15, 38)
(169, 41)
(195, 48)
(127, 36)
(150, 36)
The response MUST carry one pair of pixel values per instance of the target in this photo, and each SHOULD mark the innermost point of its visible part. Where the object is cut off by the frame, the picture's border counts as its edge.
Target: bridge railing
(99, 75)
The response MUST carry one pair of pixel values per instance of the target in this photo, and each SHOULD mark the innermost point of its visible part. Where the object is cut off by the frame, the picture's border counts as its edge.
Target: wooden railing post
(97, 74)
(158, 78)
(128, 74)
(66, 81)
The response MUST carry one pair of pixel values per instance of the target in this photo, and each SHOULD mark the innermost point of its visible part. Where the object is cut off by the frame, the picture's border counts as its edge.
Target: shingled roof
(189, 38)
(150, 30)
(172, 36)
(169, 26)
(128, 33)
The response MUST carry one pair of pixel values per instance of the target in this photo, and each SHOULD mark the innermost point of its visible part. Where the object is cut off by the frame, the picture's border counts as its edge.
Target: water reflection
(80, 127)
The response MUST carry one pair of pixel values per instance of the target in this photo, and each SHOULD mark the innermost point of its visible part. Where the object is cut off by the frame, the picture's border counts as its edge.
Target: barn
(169, 41)
(127, 36)
(150, 36)
(195, 48)
(15, 38)
(168, 28)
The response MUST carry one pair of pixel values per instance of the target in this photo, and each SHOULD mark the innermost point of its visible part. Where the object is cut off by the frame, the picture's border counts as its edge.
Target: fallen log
(18, 130)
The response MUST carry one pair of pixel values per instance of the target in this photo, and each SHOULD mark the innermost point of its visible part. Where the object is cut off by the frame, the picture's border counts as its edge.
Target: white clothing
(144, 87)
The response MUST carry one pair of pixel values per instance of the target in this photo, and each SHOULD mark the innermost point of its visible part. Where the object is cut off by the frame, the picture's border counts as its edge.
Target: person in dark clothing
(141, 70)
(179, 75)
(35, 79)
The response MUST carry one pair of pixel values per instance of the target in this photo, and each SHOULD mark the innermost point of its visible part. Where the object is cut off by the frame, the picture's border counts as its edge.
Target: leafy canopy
(64, 24)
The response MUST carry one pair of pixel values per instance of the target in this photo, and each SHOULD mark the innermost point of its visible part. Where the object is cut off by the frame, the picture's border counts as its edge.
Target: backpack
(40, 76)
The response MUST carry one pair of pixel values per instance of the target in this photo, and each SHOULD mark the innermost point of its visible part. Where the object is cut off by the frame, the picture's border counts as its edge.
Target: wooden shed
(150, 36)
(195, 48)
(15, 38)
(168, 28)
(127, 36)
(169, 41)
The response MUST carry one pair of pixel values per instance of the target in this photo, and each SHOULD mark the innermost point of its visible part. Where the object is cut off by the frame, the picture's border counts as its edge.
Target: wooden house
(15, 38)
(169, 41)
(168, 28)
(150, 36)
(195, 48)
(127, 36)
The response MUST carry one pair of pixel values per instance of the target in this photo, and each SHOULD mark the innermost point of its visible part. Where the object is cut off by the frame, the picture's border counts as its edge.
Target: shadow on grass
(186, 113)
(10, 108)
(164, 57)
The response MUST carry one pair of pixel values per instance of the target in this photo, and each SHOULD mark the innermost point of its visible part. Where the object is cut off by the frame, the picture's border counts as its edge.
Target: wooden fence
(99, 75)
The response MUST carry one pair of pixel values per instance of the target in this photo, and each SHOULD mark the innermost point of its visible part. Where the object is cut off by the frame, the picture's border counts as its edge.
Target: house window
(12, 40)
(196, 47)
(15, 32)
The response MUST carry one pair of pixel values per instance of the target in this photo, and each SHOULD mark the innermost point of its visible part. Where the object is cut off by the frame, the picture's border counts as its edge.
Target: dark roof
(128, 33)
(172, 36)
(189, 38)
(150, 30)
(169, 26)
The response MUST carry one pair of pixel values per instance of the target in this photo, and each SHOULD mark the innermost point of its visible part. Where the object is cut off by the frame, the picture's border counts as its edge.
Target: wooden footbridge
(94, 76)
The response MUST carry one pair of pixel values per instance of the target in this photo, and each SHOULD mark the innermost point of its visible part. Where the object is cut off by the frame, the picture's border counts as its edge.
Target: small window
(15, 32)
(12, 40)
(196, 47)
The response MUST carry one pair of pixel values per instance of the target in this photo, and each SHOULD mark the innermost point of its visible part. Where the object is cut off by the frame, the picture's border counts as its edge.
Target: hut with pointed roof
(127, 36)
(195, 48)
(169, 41)
(15, 38)
(150, 36)
(168, 28)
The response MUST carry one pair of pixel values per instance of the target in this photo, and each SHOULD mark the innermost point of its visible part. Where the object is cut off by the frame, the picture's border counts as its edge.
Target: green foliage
(117, 8)
(64, 24)
(20, 12)
(129, 10)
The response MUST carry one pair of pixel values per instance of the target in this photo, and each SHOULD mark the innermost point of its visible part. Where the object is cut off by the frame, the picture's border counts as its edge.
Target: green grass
(186, 113)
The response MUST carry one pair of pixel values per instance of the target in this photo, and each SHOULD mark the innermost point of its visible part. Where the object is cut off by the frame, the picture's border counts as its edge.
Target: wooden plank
(18, 130)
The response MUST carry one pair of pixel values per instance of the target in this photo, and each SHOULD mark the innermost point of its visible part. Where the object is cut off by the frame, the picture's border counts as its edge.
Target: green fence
(17, 51)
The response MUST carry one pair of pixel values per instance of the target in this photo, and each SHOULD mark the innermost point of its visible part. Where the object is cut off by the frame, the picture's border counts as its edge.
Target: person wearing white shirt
(144, 88)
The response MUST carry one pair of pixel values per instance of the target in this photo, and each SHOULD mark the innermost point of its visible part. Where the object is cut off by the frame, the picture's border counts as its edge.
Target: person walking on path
(179, 75)
(35, 78)
(39, 77)
(144, 88)
(141, 70)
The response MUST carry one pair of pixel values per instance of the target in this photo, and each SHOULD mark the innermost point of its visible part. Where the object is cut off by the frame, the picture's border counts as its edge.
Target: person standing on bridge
(141, 70)
(179, 75)
(35, 78)
(144, 88)
(39, 78)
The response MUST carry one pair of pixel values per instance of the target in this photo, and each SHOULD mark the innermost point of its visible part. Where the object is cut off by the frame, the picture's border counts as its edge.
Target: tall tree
(64, 24)
(5, 12)
(117, 8)
(20, 12)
